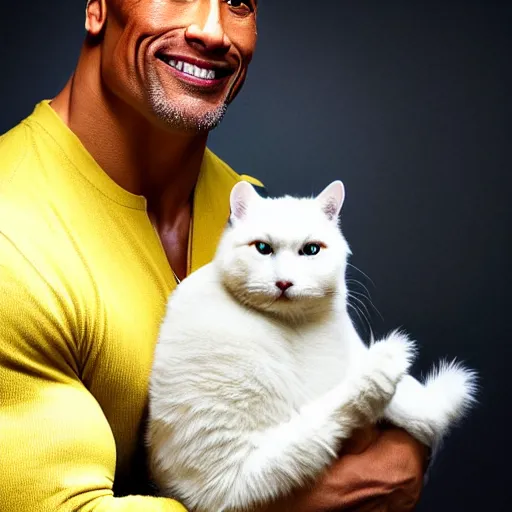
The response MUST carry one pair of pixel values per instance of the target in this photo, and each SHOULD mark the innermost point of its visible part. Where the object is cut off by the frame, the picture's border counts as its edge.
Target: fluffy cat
(259, 374)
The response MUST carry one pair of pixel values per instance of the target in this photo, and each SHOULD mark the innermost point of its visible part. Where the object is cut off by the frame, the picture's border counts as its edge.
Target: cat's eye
(263, 248)
(311, 249)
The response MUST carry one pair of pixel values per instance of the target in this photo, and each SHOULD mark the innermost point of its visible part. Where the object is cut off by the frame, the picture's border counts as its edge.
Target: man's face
(178, 62)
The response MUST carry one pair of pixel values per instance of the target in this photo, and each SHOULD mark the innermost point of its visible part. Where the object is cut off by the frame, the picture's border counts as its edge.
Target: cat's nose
(284, 285)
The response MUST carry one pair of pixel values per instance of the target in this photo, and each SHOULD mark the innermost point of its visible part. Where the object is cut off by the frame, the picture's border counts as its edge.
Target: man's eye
(239, 5)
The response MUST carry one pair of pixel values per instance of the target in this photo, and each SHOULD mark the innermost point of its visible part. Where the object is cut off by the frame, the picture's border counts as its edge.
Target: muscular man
(108, 196)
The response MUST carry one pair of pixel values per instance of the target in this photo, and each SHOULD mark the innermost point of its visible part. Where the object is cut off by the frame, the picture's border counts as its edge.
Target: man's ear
(95, 17)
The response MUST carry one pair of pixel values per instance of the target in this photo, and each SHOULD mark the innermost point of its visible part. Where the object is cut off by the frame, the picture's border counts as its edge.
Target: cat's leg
(372, 374)
(427, 411)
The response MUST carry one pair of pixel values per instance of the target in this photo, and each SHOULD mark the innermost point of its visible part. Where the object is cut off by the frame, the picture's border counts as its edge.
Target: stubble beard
(178, 118)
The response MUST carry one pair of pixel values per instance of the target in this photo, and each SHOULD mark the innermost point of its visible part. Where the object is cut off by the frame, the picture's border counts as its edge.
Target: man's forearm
(380, 470)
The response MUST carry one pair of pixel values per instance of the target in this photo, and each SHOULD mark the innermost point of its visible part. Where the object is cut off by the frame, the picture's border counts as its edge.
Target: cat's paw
(453, 388)
(389, 360)
(385, 364)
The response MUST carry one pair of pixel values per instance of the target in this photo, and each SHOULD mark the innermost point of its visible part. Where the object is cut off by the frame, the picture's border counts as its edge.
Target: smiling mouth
(209, 73)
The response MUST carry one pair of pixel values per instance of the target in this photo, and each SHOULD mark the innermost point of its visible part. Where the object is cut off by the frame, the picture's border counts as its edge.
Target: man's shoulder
(29, 228)
(14, 148)
(225, 173)
(19, 188)
(17, 212)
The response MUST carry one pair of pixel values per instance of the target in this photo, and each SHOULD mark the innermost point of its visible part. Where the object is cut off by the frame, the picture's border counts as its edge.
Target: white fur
(252, 394)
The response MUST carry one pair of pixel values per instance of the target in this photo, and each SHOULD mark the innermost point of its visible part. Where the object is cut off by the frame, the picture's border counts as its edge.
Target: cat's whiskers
(257, 295)
(350, 294)
(364, 321)
(356, 311)
(367, 296)
(369, 300)
(359, 310)
(299, 306)
(353, 280)
(359, 270)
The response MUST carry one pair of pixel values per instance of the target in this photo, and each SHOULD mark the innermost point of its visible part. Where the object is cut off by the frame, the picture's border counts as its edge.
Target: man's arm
(379, 470)
(57, 451)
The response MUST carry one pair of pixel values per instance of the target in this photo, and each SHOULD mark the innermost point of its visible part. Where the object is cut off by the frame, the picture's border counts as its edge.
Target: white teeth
(189, 69)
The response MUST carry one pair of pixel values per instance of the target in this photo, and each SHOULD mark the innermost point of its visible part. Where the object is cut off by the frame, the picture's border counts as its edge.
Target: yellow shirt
(84, 281)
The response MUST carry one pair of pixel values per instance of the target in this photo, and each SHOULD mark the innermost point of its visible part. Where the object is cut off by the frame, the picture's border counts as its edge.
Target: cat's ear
(331, 199)
(242, 194)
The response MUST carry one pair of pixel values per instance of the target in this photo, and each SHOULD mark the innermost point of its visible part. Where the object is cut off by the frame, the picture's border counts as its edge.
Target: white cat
(259, 374)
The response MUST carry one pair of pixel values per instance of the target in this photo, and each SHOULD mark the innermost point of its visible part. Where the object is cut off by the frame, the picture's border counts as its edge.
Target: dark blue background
(409, 104)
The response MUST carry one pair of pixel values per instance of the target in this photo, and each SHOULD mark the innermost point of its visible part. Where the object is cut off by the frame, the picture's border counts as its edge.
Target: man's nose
(208, 30)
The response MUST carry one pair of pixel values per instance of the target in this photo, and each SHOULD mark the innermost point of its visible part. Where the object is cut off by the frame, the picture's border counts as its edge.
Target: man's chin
(188, 118)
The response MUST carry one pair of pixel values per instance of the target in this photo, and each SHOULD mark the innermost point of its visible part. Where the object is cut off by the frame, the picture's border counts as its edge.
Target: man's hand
(379, 470)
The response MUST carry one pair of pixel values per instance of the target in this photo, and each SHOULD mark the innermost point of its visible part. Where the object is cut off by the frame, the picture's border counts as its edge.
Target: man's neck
(143, 159)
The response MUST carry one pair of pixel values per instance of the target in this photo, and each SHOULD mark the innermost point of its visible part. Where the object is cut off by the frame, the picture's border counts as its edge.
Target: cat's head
(285, 256)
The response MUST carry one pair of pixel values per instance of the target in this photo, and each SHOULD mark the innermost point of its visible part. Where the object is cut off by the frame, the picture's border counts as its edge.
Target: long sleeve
(57, 451)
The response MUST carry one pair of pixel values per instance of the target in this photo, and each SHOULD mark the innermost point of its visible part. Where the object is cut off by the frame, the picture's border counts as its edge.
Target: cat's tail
(429, 411)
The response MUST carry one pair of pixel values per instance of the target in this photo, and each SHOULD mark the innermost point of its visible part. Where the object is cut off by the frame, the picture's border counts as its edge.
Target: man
(108, 198)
